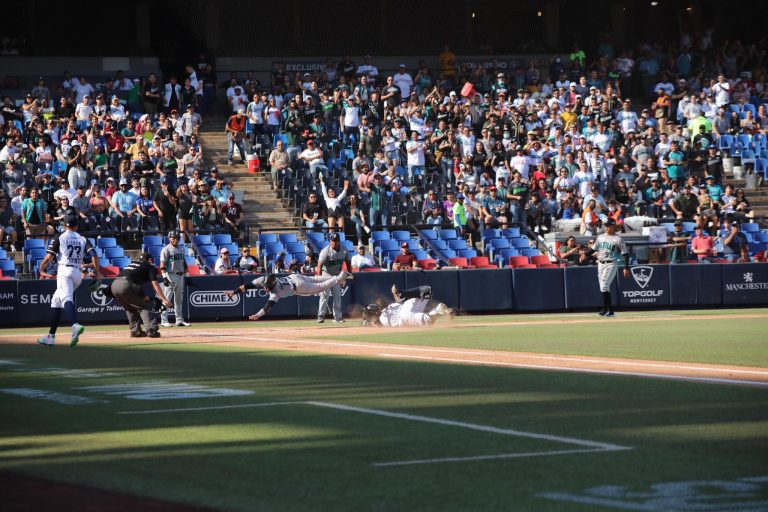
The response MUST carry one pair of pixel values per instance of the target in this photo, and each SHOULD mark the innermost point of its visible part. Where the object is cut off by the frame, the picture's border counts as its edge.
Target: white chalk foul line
(212, 408)
(471, 426)
(711, 380)
(590, 446)
(494, 457)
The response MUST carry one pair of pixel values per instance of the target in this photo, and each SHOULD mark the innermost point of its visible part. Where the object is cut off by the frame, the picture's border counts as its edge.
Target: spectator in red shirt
(702, 245)
(406, 260)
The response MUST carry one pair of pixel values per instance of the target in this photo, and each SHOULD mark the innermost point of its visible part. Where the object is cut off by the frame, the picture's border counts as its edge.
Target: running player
(69, 248)
(294, 284)
(610, 250)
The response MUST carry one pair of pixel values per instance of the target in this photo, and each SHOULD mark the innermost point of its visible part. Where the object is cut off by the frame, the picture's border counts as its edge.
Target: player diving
(293, 284)
(412, 308)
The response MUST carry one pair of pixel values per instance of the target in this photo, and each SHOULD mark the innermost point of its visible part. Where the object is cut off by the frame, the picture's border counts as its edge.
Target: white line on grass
(494, 457)
(471, 426)
(711, 380)
(213, 408)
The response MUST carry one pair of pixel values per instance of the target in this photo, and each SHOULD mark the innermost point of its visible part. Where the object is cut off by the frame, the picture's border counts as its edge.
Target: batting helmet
(371, 314)
(268, 281)
(173, 234)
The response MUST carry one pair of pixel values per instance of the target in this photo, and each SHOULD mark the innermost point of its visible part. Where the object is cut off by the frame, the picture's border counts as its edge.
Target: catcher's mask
(371, 314)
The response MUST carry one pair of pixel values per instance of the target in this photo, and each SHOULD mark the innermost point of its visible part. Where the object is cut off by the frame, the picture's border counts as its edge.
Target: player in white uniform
(412, 308)
(69, 248)
(173, 268)
(610, 250)
(294, 284)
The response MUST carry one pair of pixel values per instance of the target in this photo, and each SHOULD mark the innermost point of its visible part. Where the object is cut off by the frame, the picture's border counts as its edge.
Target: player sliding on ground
(294, 284)
(412, 307)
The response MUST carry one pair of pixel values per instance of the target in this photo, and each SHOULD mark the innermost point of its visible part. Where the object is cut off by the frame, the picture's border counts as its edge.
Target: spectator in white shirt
(404, 81)
(313, 156)
(361, 260)
(415, 150)
(82, 88)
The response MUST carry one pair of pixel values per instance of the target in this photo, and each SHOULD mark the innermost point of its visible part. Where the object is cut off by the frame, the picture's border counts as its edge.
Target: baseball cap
(310, 142)
(401, 66)
(76, 143)
(710, 177)
(678, 222)
(404, 244)
(500, 75)
(460, 196)
(224, 250)
(610, 222)
(334, 237)
(71, 221)
(123, 181)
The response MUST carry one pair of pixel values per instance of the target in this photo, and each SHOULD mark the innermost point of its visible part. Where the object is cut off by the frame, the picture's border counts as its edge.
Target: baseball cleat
(47, 340)
(338, 320)
(166, 324)
(610, 314)
(396, 293)
(601, 313)
(182, 324)
(77, 330)
(320, 319)
(153, 334)
(140, 334)
(347, 276)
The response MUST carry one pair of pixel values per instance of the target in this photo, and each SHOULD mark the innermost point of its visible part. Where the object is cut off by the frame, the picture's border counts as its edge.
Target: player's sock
(55, 320)
(607, 301)
(69, 309)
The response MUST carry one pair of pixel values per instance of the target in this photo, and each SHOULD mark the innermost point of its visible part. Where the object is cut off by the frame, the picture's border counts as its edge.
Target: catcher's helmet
(173, 234)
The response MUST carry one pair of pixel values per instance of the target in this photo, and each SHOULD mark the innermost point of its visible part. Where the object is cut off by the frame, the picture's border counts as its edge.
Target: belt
(178, 273)
(71, 266)
(606, 261)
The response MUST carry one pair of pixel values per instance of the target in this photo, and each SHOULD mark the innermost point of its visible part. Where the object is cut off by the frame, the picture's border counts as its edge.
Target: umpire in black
(128, 290)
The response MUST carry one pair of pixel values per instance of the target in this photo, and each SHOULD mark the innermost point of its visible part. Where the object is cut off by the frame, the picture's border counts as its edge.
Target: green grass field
(270, 430)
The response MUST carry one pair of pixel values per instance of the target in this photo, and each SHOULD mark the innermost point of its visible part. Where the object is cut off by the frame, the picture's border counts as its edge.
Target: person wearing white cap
(123, 204)
(403, 80)
(223, 266)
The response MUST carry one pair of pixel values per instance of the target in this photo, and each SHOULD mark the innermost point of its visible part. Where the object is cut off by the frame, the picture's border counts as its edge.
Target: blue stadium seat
(287, 238)
(30, 243)
(520, 243)
(511, 232)
(267, 238)
(189, 259)
(401, 235)
(120, 262)
(202, 240)
(113, 252)
(3, 254)
(420, 254)
(413, 244)
(749, 227)
(490, 234)
(458, 244)
(8, 268)
(207, 250)
(385, 245)
(440, 245)
(430, 234)
(222, 239)
(504, 254)
(152, 240)
(448, 234)
(530, 252)
(106, 241)
(467, 253)
(33, 254)
(315, 236)
(294, 246)
(379, 235)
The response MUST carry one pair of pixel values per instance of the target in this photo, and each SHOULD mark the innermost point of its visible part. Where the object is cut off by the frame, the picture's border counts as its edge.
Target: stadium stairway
(263, 208)
(758, 197)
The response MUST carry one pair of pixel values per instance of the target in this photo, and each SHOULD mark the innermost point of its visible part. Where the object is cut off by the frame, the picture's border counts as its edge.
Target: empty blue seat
(503, 255)
(120, 262)
(189, 259)
(267, 238)
(315, 236)
(457, 244)
(232, 248)
(386, 245)
(222, 238)
(725, 142)
(490, 234)
(288, 238)
(202, 239)
(749, 227)
(30, 243)
(511, 232)
(430, 234)
(448, 234)
(152, 240)
(113, 252)
(467, 253)
(8, 268)
(530, 252)
(440, 245)
(401, 235)
(106, 241)
(448, 254)
(294, 246)
(413, 244)
(420, 254)
(519, 243)
(348, 245)
(273, 248)
(207, 250)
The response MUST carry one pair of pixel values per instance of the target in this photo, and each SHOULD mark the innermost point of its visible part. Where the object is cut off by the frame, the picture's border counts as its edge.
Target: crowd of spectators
(622, 134)
(122, 155)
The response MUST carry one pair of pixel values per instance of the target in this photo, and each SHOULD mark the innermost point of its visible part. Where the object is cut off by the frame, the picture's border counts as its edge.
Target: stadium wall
(26, 303)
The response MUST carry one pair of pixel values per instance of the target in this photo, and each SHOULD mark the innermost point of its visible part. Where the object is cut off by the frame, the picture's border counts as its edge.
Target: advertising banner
(745, 283)
(539, 289)
(95, 307)
(647, 286)
(9, 302)
(35, 301)
(206, 299)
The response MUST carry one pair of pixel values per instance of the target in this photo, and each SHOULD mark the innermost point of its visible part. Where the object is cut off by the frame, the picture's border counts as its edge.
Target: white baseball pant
(606, 273)
(67, 280)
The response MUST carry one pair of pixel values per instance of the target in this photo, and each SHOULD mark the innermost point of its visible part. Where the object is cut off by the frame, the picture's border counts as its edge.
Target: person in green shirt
(459, 214)
(675, 162)
(379, 212)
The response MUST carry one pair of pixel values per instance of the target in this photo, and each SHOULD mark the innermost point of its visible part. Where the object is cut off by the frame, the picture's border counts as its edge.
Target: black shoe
(610, 314)
(154, 334)
(602, 312)
(140, 334)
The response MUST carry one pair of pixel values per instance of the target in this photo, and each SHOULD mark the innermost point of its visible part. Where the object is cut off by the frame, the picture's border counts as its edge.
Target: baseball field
(650, 411)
